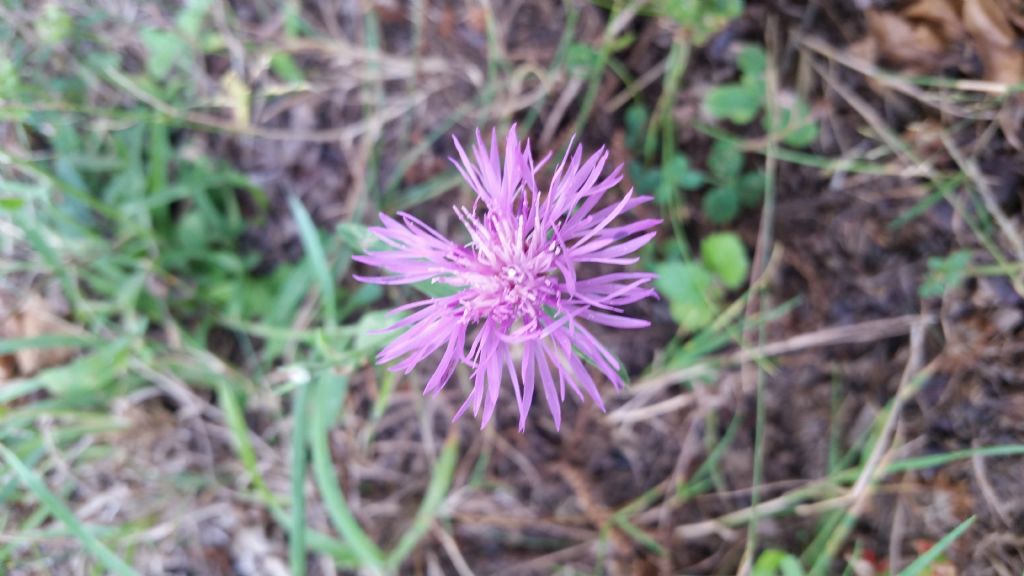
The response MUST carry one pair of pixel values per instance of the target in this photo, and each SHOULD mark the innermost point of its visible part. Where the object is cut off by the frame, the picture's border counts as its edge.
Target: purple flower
(518, 300)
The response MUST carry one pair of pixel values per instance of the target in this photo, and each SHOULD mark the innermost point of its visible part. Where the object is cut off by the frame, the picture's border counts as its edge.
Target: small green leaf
(725, 255)
(684, 13)
(721, 205)
(690, 291)
(664, 193)
(751, 61)
(680, 171)
(370, 338)
(795, 123)
(645, 180)
(772, 562)
(677, 164)
(8, 78)
(751, 187)
(54, 25)
(286, 68)
(701, 18)
(636, 119)
(581, 56)
(11, 204)
(190, 19)
(191, 233)
(945, 273)
(725, 161)
(163, 50)
(677, 174)
(620, 43)
(691, 180)
(738, 103)
(293, 23)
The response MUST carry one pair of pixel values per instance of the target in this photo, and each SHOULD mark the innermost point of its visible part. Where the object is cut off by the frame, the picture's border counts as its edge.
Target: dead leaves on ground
(928, 36)
(31, 316)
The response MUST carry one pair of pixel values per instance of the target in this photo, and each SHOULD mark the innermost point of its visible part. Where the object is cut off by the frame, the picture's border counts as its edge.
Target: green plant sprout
(740, 103)
(945, 273)
(695, 289)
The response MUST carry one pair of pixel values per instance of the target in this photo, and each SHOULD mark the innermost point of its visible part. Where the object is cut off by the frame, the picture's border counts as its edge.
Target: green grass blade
(703, 477)
(441, 480)
(854, 559)
(234, 416)
(317, 258)
(925, 560)
(637, 535)
(369, 555)
(53, 260)
(936, 460)
(11, 345)
(837, 533)
(96, 548)
(235, 419)
(14, 389)
(387, 387)
(772, 562)
(816, 550)
(297, 540)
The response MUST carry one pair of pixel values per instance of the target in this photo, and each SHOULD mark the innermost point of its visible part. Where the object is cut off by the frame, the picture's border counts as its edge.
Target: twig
(554, 117)
(896, 534)
(970, 168)
(345, 133)
(903, 393)
(452, 549)
(898, 84)
(677, 402)
(752, 376)
(877, 123)
(349, 54)
(545, 561)
(722, 526)
(988, 491)
(646, 79)
(869, 331)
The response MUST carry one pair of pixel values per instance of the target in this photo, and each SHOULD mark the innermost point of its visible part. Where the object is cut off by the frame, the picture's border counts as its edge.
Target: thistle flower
(518, 299)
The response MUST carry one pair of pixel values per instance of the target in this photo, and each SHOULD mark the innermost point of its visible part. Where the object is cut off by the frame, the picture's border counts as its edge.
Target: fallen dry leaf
(905, 43)
(942, 14)
(1011, 118)
(31, 317)
(929, 35)
(1015, 10)
(987, 20)
(925, 136)
(8, 369)
(995, 39)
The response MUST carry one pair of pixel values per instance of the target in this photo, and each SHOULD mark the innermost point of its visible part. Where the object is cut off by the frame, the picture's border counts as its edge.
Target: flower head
(518, 306)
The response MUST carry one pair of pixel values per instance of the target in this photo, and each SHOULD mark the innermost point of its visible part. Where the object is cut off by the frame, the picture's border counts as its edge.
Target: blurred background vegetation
(831, 384)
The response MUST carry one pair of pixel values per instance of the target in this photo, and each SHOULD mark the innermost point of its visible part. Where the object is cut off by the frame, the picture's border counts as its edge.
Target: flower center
(506, 276)
(510, 293)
